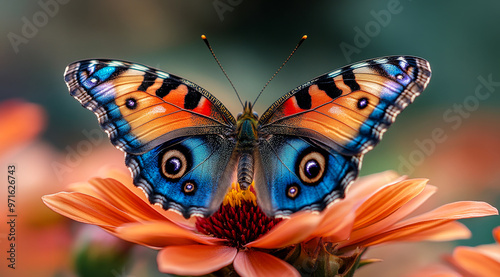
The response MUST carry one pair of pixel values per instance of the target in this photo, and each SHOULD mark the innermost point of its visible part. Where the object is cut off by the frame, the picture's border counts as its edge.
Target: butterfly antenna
(304, 37)
(223, 71)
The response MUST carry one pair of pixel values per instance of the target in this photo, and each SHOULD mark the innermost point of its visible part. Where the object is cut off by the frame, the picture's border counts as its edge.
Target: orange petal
(476, 262)
(195, 259)
(161, 234)
(386, 201)
(337, 219)
(490, 250)
(255, 264)
(366, 185)
(126, 181)
(86, 209)
(449, 231)
(118, 195)
(388, 222)
(289, 231)
(402, 234)
(120, 189)
(496, 234)
(455, 210)
(336, 222)
(428, 221)
(436, 231)
(20, 121)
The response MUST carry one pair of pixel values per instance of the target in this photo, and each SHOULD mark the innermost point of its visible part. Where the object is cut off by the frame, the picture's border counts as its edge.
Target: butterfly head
(246, 124)
(247, 113)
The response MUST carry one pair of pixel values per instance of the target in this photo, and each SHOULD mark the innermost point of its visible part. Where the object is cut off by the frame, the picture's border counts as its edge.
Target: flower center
(239, 220)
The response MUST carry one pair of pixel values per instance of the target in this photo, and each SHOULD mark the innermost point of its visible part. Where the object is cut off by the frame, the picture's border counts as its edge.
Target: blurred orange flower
(240, 234)
(21, 122)
(482, 260)
(479, 261)
(41, 241)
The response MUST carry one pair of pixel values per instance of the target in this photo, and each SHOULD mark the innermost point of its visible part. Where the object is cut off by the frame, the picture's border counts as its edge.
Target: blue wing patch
(305, 175)
(185, 174)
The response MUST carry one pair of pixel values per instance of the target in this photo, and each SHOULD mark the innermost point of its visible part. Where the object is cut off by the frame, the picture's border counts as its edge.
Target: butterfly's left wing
(175, 133)
(316, 135)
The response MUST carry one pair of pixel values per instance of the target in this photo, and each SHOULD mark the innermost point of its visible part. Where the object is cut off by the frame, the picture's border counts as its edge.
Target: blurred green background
(460, 39)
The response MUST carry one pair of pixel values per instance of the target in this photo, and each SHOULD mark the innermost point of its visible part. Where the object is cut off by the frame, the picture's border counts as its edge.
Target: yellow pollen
(235, 195)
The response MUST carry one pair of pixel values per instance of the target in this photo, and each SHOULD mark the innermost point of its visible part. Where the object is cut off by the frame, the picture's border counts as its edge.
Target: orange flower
(241, 235)
(479, 261)
(482, 260)
(21, 122)
(41, 240)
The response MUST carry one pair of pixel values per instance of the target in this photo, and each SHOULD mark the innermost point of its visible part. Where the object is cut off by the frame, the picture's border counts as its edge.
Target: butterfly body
(246, 141)
(185, 149)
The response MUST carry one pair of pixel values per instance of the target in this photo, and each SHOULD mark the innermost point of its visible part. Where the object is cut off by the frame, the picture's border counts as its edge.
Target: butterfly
(184, 148)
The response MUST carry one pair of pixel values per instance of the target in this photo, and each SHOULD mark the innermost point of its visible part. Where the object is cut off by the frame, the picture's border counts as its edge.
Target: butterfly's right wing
(314, 137)
(349, 109)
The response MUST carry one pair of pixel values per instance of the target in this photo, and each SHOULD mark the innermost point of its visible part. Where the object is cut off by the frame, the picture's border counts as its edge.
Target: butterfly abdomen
(246, 142)
(245, 170)
(245, 146)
